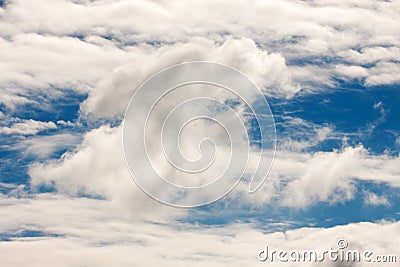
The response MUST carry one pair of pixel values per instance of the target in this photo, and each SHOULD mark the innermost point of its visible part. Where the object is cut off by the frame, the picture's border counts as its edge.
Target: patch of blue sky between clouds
(349, 110)
(18, 149)
(26, 235)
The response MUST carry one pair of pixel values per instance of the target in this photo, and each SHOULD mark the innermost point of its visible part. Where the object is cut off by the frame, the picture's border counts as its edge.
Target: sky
(330, 71)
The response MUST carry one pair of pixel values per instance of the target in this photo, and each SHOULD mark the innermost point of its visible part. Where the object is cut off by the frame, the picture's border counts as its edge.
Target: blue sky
(329, 72)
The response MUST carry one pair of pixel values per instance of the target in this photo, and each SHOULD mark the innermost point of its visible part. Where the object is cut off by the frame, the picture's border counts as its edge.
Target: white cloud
(40, 61)
(378, 105)
(269, 71)
(281, 45)
(352, 71)
(96, 235)
(312, 77)
(317, 20)
(382, 117)
(373, 199)
(97, 167)
(28, 127)
(300, 135)
(310, 177)
(65, 123)
(331, 176)
(384, 73)
(44, 146)
(353, 33)
(11, 97)
(86, 65)
(374, 54)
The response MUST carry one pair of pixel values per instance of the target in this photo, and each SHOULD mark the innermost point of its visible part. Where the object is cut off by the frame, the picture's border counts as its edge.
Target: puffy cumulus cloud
(97, 168)
(331, 176)
(296, 180)
(268, 70)
(299, 180)
(92, 153)
(96, 236)
(112, 73)
(28, 127)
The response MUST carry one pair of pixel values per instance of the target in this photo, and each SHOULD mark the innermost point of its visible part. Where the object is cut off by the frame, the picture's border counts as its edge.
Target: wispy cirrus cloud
(27, 127)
